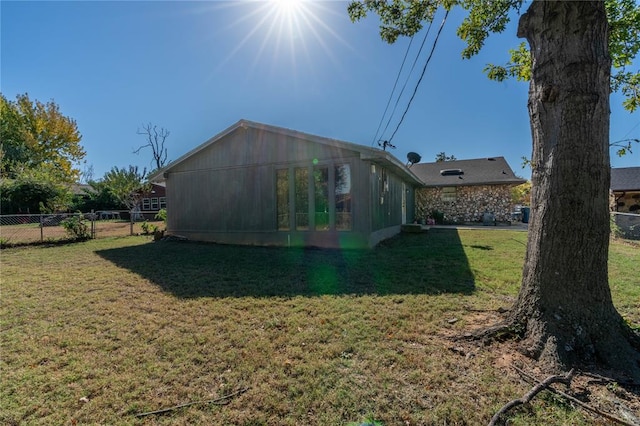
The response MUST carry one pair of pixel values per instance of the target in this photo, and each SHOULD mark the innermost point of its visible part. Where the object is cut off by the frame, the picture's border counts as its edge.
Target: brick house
(154, 199)
(464, 190)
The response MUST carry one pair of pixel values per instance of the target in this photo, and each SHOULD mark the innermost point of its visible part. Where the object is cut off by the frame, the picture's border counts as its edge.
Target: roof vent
(451, 172)
(491, 159)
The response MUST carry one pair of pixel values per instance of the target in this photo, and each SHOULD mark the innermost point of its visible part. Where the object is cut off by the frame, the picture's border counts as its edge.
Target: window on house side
(282, 199)
(343, 197)
(163, 202)
(154, 204)
(448, 193)
(301, 198)
(321, 197)
(145, 204)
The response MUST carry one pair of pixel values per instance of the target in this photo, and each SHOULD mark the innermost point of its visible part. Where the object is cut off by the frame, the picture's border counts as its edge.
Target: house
(259, 184)
(154, 199)
(464, 190)
(625, 186)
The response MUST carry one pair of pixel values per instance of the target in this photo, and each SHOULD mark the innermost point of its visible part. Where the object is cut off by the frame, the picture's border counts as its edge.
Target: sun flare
(288, 9)
(285, 31)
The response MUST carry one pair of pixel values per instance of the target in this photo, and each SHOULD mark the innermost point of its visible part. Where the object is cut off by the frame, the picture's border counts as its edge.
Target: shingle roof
(625, 179)
(480, 171)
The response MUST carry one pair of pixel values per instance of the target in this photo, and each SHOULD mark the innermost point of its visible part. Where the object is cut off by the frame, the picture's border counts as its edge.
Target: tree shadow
(479, 247)
(429, 263)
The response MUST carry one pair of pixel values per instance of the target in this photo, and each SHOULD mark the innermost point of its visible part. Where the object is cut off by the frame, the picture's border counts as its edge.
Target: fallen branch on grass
(566, 379)
(577, 401)
(218, 401)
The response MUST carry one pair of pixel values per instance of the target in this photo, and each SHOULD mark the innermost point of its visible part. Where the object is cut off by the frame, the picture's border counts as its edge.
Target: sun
(287, 9)
(283, 31)
(289, 17)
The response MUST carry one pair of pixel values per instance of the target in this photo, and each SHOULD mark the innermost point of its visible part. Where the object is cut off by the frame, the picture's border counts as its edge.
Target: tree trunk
(564, 307)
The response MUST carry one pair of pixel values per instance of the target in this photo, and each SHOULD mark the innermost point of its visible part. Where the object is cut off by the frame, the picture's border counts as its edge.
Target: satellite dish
(413, 158)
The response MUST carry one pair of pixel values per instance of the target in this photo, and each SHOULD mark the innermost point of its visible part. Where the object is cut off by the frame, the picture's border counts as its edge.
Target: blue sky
(196, 68)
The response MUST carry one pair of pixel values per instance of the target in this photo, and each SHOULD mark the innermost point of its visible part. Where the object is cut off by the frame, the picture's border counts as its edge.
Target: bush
(76, 227)
(148, 228)
(438, 216)
(27, 194)
(162, 215)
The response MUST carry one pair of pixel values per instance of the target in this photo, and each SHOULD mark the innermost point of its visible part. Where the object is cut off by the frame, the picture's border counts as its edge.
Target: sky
(196, 68)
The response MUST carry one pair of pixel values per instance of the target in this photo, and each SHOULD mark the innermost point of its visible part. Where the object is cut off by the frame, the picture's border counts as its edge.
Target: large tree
(564, 312)
(36, 135)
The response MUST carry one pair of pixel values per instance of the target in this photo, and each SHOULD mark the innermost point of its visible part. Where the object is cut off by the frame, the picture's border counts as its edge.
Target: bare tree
(156, 138)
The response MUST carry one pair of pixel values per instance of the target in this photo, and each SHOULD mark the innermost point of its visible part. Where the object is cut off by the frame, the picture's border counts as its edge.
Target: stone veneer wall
(470, 204)
(627, 202)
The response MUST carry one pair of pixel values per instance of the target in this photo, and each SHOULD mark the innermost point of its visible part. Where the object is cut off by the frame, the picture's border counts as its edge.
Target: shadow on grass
(481, 247)
(430, 263)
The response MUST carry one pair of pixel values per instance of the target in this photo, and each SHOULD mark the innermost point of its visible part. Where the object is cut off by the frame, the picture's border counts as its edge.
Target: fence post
(131, 221)
(41, 228)
(93, 224)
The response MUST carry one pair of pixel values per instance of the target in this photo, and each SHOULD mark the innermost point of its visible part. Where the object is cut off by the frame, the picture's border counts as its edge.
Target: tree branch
(576, 400)
(566, 379)
(219, 401)
(156, 139)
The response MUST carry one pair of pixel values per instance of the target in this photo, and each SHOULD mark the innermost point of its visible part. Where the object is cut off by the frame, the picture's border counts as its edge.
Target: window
(163, 202)
(154, 204)
(282, 199)
(145, 204)
(384, 181)
(301, 195)
(342, 194)
(321, 197)
(448, 193)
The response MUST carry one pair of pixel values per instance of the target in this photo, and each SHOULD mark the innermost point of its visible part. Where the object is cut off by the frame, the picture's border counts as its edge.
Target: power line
(632, 129)
(415, 61)
(392, 90)
(424, 69)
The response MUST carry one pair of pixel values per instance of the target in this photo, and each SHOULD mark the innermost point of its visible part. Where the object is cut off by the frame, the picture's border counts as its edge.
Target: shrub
(148, 228)
(438, 216)
(76, 227)
(162, 215)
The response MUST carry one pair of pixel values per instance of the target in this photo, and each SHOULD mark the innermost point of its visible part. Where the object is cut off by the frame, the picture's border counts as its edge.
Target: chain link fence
(20, 229)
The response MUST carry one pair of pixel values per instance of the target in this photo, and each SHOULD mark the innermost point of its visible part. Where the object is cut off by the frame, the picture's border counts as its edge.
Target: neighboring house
(259, 184)
(625, 185)
(154, 199)
(464, 190)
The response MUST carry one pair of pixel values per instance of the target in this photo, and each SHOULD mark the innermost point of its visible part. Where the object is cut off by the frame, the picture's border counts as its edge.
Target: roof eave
(384, 159)
(503, 182)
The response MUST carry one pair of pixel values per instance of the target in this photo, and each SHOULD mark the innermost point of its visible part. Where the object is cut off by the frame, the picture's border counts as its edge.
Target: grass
(97, 332)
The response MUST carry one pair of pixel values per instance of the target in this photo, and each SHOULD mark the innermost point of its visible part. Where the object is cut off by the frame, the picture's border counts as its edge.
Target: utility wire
(392, 90)
(632, 129)
(415, 61)
(424, 69)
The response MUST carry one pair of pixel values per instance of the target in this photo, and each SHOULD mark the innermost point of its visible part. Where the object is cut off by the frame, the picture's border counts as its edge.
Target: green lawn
(97, 332)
